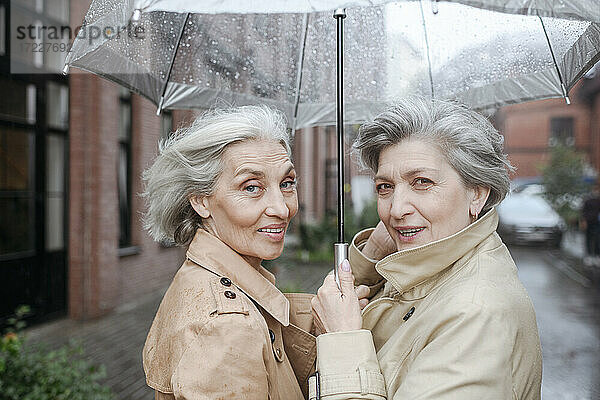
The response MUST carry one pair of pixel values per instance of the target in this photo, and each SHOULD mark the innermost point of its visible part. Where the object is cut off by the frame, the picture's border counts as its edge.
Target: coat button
(225, 281)
(409, 314)
(272, 335)
(229, 294)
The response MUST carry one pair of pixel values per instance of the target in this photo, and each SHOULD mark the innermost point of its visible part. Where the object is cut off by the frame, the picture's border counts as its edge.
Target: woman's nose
(401, 204)
(276, 206)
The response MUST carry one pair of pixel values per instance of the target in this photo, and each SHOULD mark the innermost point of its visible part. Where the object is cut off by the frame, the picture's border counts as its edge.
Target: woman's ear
(200, 205)
(480, 196)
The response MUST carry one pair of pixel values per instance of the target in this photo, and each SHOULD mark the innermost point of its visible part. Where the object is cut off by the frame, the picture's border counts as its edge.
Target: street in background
(529, 218)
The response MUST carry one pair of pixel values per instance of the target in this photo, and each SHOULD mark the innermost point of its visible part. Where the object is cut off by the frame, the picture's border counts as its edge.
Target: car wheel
(555, 241)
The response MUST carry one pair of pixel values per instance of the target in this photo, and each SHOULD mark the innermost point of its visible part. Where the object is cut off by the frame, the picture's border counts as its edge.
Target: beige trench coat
(224, 331)
(449, 320)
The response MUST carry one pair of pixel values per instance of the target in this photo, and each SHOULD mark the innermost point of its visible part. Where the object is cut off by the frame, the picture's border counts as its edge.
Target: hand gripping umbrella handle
(340, 254)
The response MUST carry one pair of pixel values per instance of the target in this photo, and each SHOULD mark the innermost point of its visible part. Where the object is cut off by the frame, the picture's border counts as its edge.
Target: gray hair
(470, 143)
(190, 162)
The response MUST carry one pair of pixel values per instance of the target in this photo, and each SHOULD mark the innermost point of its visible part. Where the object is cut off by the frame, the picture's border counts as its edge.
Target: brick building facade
(590, 94)
(102, 272)
(72, 150)
(91, 272)
(531, 129)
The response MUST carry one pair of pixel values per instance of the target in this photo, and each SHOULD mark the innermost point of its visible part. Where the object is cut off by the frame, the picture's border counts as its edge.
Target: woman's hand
(362, 292)
(339, 312)
(379, 244)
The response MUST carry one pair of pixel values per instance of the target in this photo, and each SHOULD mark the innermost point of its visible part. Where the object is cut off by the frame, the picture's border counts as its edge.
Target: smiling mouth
(409, 232)
(271, 230)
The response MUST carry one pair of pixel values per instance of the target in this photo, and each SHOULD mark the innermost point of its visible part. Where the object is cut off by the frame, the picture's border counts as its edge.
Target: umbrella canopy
(564, 9)
(189, 54)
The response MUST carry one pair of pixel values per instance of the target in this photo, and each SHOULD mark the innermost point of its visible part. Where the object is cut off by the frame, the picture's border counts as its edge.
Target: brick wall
(594, 102)
(154, 265)
(93, 228)
(100, 279)
(526, 130)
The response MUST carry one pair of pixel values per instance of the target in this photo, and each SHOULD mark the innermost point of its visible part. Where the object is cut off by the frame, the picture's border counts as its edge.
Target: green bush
(33, 373)
(563, 179)
(318, 239)
(368, 218)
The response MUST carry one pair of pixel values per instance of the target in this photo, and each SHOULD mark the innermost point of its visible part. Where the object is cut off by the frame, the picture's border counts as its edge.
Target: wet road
(567, 307)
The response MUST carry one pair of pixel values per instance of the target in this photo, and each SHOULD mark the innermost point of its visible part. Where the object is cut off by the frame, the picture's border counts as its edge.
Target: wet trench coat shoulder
(450, 320)
(224, 331)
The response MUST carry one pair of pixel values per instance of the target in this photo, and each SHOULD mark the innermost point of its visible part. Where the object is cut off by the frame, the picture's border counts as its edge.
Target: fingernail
(345, 266)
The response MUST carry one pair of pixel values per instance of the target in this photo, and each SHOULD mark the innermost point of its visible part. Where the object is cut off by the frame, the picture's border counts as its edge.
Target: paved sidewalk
(574, 252)
(116, 340)
(573, 244)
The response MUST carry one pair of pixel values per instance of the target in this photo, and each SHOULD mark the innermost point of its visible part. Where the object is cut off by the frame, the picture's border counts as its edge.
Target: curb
(570, 261)
(570, 266)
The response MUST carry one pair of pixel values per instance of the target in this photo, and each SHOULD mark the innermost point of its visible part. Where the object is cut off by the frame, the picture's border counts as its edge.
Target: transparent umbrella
(192, 54)
(188, 54)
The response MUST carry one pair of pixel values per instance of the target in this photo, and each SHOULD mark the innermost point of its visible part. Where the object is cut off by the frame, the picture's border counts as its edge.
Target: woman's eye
(383, 188)
(288, 184)
(252, 189)
(422, 183)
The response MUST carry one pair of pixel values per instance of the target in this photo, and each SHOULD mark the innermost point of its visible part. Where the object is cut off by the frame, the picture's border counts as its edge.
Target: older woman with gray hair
(448, 317)
(225, 187)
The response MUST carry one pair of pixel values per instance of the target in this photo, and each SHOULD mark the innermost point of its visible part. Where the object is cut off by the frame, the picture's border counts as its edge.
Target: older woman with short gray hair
(226, 188)
(190, 162)
(448, 317)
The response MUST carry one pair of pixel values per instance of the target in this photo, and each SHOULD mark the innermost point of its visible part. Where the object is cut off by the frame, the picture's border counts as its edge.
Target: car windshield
(526, 206)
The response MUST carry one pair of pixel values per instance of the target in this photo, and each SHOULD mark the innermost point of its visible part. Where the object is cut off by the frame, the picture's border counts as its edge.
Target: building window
(17, 201)
(17, 168)
(33, 187)
(166, 124)
(561, 131)
(57, 118)
(57, 107)
(124, 169)
(39, 14)
(2, 30)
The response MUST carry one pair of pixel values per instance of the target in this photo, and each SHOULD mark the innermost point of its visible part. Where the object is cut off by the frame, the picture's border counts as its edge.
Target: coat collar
(426, 265)
(211, 253)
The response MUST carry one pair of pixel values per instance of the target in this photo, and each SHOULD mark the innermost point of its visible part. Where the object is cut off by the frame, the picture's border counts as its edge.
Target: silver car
(529, 218)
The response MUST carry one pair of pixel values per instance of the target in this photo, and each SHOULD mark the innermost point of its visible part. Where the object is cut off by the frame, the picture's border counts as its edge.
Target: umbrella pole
(340, 248)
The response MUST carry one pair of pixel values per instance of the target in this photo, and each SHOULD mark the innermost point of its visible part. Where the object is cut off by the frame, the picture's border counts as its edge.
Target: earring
(473, 216)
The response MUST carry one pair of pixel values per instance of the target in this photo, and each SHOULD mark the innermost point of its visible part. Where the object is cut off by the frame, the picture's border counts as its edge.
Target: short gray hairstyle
(190, 162)
(470, 143)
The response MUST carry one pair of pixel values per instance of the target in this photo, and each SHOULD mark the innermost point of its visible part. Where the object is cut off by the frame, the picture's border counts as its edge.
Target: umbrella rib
(300, 68)
(562, 83)
(427, 48)
(164, 89)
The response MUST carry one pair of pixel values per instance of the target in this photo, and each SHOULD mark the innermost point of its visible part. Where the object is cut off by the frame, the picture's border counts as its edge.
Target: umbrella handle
(340, 251)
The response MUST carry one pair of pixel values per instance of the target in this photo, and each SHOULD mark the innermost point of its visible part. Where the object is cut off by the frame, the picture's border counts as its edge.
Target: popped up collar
(211, 253)
(409, 268)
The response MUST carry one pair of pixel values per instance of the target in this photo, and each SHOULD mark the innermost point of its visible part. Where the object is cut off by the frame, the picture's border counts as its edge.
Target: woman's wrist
(353, 323)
